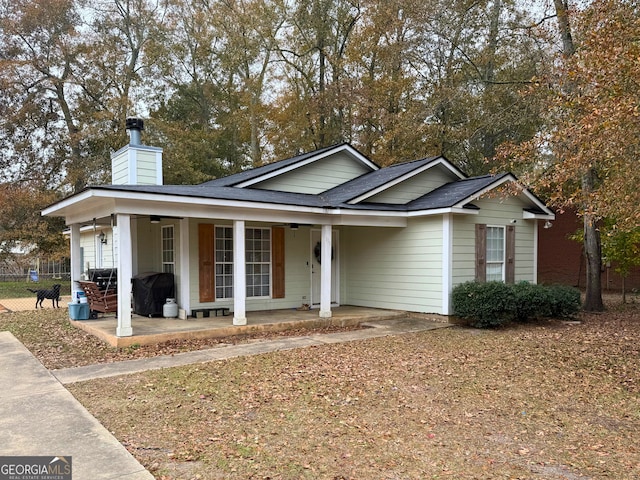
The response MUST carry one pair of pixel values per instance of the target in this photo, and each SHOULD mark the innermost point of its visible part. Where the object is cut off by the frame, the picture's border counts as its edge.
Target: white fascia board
(442, 211)
(406, 176)
(549, 215)
(538, 216)
(535, 200)
(353, 152)
(53, 210)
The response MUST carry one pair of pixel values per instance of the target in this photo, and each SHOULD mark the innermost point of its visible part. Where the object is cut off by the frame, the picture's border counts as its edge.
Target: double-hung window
(224, 262)
(264, 262)
(168, 253)
(258, 261)
(495, 254)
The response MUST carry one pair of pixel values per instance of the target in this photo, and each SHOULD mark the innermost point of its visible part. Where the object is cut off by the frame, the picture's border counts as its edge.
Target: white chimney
(136, 164)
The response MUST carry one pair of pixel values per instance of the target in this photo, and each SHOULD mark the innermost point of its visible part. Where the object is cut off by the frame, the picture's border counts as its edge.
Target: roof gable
(310, 173)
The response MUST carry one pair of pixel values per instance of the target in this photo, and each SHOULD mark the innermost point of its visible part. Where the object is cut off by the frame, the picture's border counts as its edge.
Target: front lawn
(551, 401)
(19, 289)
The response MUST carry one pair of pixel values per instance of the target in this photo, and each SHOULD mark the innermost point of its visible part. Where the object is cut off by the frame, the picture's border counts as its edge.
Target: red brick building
(561, 260)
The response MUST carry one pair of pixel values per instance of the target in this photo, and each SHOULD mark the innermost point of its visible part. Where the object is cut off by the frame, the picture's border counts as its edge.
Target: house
(324, 228)
(562, 260)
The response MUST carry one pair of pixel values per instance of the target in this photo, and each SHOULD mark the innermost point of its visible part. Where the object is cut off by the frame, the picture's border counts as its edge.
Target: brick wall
(560, 260)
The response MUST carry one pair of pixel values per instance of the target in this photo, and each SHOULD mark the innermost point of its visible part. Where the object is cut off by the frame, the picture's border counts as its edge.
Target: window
(224, 262)
(264, 259)
(168, 254)
(495, 254)
(258, 259)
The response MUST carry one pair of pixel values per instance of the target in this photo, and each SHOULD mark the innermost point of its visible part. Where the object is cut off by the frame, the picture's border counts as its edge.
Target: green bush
(493, 304)
(564, 301)
(532, 301)
(485, 305)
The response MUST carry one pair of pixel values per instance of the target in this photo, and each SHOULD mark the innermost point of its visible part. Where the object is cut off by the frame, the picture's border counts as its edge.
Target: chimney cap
(134, 123)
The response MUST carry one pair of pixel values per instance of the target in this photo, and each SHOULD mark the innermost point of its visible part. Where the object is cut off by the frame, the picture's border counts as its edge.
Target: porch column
(184, 298)
(536, 226)
(239, 274)
(76, 265)
(124, 265)
(447, 262)
(325, 272)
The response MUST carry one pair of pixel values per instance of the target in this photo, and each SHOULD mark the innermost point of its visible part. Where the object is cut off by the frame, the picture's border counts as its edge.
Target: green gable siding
(415, 186)
(395, 268)
(493, 211)
(318, 176)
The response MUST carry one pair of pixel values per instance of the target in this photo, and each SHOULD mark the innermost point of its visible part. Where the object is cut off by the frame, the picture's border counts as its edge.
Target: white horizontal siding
(395, 268)
(147, 171)
(318, 176)
(120, 168)
(415, 187)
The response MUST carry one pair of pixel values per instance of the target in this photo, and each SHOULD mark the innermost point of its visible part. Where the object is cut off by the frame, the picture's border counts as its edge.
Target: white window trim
(165, 228)
(270, 262)
(502, 262)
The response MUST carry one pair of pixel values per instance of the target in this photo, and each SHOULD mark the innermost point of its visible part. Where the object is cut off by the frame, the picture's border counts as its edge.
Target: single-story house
(325, 228)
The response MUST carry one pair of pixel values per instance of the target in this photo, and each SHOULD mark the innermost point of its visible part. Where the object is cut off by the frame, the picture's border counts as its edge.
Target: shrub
(532, 301)
(485, 305)
(493, 304)
(564, 301)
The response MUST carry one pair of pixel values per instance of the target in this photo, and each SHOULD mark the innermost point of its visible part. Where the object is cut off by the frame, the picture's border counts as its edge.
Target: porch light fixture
(103, 238)
(293, 226)
(548, 224)
(154, 219)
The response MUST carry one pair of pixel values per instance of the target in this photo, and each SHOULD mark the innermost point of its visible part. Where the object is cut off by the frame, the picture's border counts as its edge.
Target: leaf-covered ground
(552, 400)
(48, 334)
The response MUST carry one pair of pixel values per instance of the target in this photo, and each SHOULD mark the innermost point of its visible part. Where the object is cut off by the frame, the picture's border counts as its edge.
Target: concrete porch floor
(148, 331)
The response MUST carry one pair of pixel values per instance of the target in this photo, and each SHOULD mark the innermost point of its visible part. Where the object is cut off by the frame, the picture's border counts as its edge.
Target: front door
(315, 267)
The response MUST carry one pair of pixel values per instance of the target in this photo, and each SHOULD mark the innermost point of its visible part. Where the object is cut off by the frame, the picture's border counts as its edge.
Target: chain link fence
(21, 279)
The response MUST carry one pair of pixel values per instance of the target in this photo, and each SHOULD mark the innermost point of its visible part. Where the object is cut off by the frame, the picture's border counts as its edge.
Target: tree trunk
(592, 252)
(562, 8)
(592, 246)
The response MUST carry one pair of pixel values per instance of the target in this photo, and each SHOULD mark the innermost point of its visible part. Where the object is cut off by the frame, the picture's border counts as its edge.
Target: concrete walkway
(38, 416)
(380, 328)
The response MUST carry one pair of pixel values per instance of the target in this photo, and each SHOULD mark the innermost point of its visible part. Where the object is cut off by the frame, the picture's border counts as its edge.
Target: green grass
(19, 289)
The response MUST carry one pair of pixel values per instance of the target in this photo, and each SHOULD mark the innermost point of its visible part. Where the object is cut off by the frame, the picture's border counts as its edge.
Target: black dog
(53, 293)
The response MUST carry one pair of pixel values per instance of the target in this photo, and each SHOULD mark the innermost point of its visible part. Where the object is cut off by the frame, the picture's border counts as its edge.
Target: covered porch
(155, 330)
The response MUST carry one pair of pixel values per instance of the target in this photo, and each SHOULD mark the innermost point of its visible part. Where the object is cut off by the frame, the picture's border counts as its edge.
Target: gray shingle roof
(257, 172)
(453, 193)
(372, 180)
(446, 196)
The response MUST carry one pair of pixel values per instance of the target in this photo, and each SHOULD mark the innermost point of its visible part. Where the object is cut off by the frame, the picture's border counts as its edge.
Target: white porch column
(536, 226)
(325, 272)
(184, 297)
(76, 266)
(124, 264)
(447, 262)
(239, 275)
